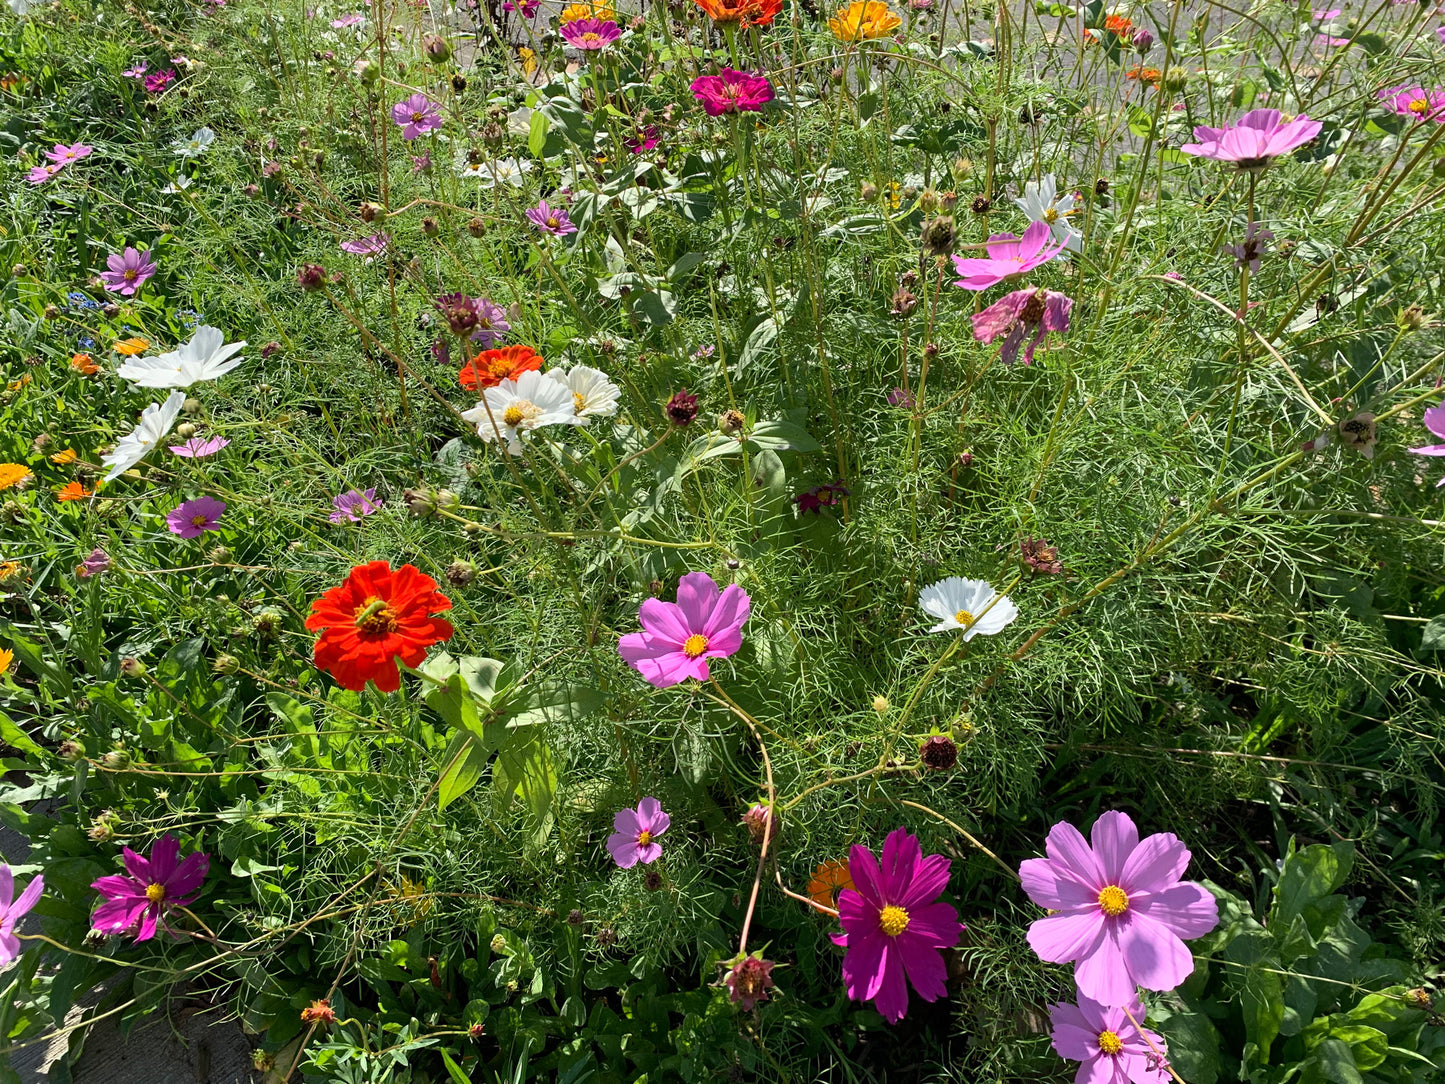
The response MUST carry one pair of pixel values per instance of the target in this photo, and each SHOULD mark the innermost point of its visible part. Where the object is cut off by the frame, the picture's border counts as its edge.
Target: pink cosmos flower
(1121, 911)
(1024, 313)
(369, 247)
(191, 519)
(417, 116)
(894, 924)
(158, 81)
(136, 900)
(528, 8)
(41, 174)
(678, 638)
(635, 834)
(1008, 257)
(12, 910)
(1105, 1040)
(351, 19)
(479, 319)
(1255, 140)
(590, 35)
(1440, 33)
(353, 505)
(643, 138)
(137, 72)
(63, 155)
(94, 565)
(197, 448)
(732, 91)
(1435, 422)
(128, 272)
(551, 220)
(1415, 102)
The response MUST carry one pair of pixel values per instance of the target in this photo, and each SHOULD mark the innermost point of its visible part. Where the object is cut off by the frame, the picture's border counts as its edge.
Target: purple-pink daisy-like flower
(1415, 102)
(635, 833)
(479, 319)
(128, 272)
(421, 163)
(894, 925)
(678, 638)
(353, 505)
(369, 247)
(732, 91)
(198, 447)
(1028, 313)
(1254, 140)
(158, 81)
(63, 155)
(1110, 1048)
(137, 72)
(1440, 33)
(1435, 422)
(589, 35)
(1008, 257)
(191, 519)
(1250, 251)
(417, 116)
(354, 18)
(41, 174)
(12, 910)
(551, 220)
(1121, 913)
(643, 138)
(528, 8)
(137, 899)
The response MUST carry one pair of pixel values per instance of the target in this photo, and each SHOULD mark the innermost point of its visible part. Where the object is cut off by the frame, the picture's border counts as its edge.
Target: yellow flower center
(963, 617)
(578, 403)
(552, 222)
(892, 920)
(417, 118)
(1051, 215)
(198, 521)
(375, 616)
(130, 276)
(521, 411)
(156, 893)
(1113, 900)
(644, 838)
(1418, 105)
(591, 38)
(1109, 1043)
(694, 645)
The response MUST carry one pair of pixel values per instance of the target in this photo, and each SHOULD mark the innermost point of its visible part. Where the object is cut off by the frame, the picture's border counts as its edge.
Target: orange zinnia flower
(72, 491)
(830, 878)
(864, 20)
(132, 346)
(376, 617)
(1122, 28)
(743, 13)
(491, 367)
(84, 364)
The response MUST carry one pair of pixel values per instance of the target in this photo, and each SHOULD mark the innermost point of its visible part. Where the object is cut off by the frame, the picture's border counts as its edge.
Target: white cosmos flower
(518, 406)
(197, 145)
(206, 357)
(971, 605)
(180, 184)
(508, 171)
(1042, 203)
(593, 395)
(155, 422)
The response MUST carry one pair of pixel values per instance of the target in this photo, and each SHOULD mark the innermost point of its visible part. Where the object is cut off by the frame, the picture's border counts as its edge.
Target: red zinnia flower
(491, 367)
(376, 617)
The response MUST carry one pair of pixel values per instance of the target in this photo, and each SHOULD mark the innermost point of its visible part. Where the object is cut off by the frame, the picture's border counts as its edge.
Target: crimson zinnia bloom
(894, 924)
(732, 91)
(376, 617)
(743, 13)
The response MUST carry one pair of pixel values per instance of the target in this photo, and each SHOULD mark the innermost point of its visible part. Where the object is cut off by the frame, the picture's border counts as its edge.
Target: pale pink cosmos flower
(353, 19)
(353, 505)
(1435, 422)
(128, 271)
(551, 220)
(1106, 1042)
(41, 174)
(12, 910)
(368, 247)
(1255, 140)
(1027, 313)
(1008, 257)
(198, 447)
(678, 638)
(635, 834)
(1415, 102)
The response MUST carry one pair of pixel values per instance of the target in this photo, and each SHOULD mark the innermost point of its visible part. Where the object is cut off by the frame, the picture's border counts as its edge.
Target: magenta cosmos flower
(369, 247)
(1435, 422)
(191, 519)
(1254, 140)
(136, 899)
(13, 910)
(551, 220)
(894, 924)
(417, 116)
(1111, 1049)
(1030, 314)
(198, 448)
(128, 271)
(678, 638)
(1415, 102)
(589, 35)
(156, 82)
(732, 91)
(353, 505)
(1008, 257)
(635, 834)
(1121, 911)
(63, 155)
(41, 174)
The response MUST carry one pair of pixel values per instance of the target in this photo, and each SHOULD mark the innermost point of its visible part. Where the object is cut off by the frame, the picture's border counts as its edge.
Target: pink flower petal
(1155, 957)
(1065, 844)
(1114, 837)
(1102, 974)
(1053, 888)
(1062, 939)
(1188, 909)
(1155, 864)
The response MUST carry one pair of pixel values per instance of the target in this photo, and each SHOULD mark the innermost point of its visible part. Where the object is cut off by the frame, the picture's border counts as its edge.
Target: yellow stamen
(694, 645)
(644, 838)
(156, 893)
(1109, 1043)
(375, 616)
(892, 920)
(1113, 900)
(1051, 215)
(198, 521)
(963, 617)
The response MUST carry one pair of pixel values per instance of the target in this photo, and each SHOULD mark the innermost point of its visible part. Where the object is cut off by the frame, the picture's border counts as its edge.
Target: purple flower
(551, 220)
(421, 164)
(635, 833)
(136, 899)
(748, 980)
(370, 247)
(352, 19)
(1440, 33)
(158, 81)
(643, 138)
(894, 924)
(1008, 256)
(815, 499)
(196, 448)
(1415, 102)
(12, 910)
(417, 116)
(63, 155)
(191, 519)
(1255, 140)
(352, 505)
(1024, 313)
(1105, 1040)
(1249, 251)
(528, 8)
(41, 174)
(137, 72)
(1121, 911)
(94, 565)
(128, 271)
(678, 638)
(590, 35)
(901, 398)
(1435, 422)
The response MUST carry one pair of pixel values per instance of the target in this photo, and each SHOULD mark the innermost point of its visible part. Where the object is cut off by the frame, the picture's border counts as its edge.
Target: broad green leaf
(1308, 877)
(537, 132)
(463, 763)
(12, 735)
(783, 436)
(1193, 1044)
(1432, 638)
(1256, 982)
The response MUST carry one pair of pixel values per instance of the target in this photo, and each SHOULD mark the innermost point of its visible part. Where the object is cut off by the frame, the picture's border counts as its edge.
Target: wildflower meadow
(727, 540)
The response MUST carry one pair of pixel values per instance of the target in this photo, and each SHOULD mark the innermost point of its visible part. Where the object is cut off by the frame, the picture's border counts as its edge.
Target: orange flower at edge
(132, 346)
(829, 879)
(743, 13)
(72, 491)
(864, 20)
(84, 364)
(13, 474)
(491, 367)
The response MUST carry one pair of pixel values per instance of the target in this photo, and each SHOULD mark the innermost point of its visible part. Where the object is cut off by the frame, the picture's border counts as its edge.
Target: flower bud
(368, 71)
(437, 49)
(761, 823)
(70, 749)
(880, 704)
(1412, 318)
(868, 192)
(132, 667)
(370, 211)
(476, 227)
(421, 501)
(461, 572)
(226, 664)
(186, 430)
(218, 555)
(499, 943)
(430, 227)
(311, 277)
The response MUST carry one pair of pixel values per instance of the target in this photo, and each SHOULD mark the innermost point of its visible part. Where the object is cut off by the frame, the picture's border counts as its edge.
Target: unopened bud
(132, 667)
(437, 49)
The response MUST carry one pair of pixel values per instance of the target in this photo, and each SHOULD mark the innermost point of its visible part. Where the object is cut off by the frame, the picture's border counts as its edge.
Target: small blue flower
(81, 300)
(85, 342)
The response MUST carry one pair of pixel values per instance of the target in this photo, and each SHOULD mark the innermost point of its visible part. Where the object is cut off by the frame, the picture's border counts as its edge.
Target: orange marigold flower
(14, 474)
(491, 367)
(64, 456)
(376, 617)
(743, 13)
(72, 491)
(16, 385)
(6, 658)
(1148, 76)
(830, 878)
(84, 364)
(132, 346)
(864, 20)
(596, 10)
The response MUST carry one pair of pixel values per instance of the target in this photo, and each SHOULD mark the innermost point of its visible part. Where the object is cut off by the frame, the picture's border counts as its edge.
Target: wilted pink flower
(1027, 313)
(894, 924)
(197, 448)
(902, 398)
(551, 220)
(158, 81)
(1435, 422)
(635, 834)
(417, 116)
(128, 272)
(352, 505)
(421, 163)
(1250, 251)
(1105, 1040)
(732, 91)
(1415, 102)
(136, 900)
(1119, 910)
(477, 318)
(191, 519)
(1008, 257)
(369, 247)
(590, 35)
(13, 910)
(678, 638)
(94, 565)
(1255, 140)
(748, 980)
